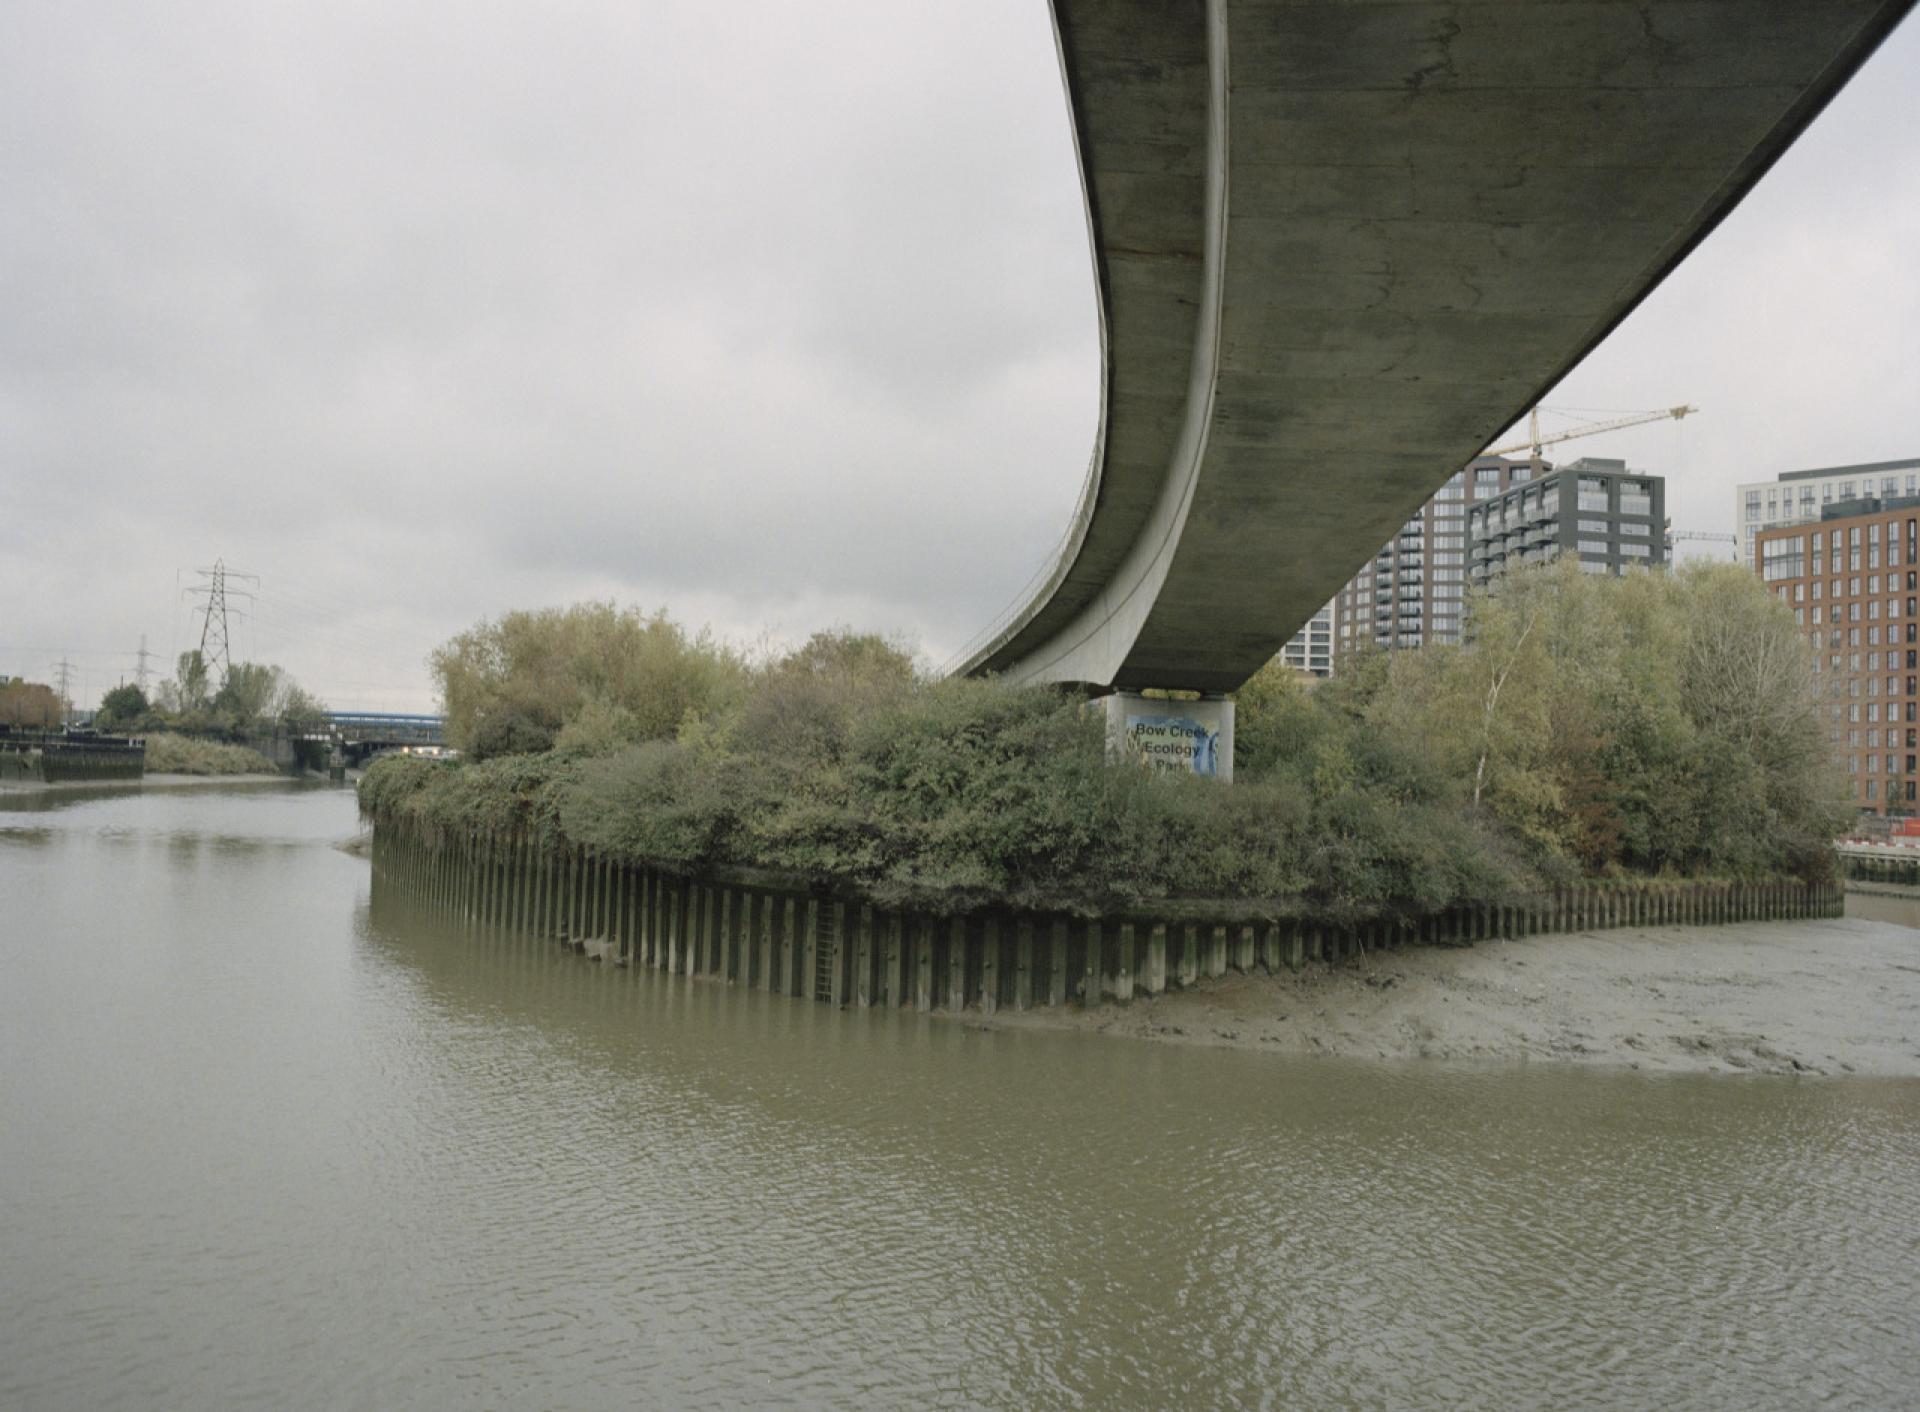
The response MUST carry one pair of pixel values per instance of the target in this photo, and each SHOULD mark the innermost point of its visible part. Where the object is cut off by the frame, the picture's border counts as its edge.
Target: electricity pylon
(214, 645)
(63, 688)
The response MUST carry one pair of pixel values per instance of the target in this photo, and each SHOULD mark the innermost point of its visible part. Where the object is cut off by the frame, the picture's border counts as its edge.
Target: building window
(1593, 546)
(1779, 558)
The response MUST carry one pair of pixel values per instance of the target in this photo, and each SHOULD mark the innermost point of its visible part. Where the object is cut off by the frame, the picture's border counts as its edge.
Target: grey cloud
(778, 315)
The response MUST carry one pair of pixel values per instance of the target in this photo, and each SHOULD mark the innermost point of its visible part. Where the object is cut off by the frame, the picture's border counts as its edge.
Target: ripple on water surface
(270, 1143)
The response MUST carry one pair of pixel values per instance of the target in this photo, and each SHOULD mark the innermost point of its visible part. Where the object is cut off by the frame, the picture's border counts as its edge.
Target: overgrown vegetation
(169, 754)
(28, 704)
(586, 677)
(1592, 725)
(254, 699)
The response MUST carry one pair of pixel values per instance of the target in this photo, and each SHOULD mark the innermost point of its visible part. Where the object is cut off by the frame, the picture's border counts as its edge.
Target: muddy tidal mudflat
(1828, 997)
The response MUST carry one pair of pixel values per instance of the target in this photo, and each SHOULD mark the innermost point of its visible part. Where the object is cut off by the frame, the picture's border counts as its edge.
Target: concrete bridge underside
(1340, 246)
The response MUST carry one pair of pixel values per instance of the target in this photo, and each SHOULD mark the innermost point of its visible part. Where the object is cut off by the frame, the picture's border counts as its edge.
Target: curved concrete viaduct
(1340, 246)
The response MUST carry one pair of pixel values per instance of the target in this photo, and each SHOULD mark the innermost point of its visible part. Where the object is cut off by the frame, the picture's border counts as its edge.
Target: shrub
(169, 754)
(1645, 724)
(519, 682)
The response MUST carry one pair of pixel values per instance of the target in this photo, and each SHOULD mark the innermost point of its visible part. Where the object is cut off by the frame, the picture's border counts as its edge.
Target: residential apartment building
(1410, 593)
(1800, 497)
(1311, 649)
(1850, 578)
(1611, 518)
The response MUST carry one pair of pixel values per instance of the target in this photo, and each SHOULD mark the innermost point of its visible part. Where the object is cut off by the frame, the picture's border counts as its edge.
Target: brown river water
(266, 1143)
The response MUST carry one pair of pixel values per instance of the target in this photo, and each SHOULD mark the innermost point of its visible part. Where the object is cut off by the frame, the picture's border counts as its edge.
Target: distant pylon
(142, 671)
(214, 644)
(63, 687)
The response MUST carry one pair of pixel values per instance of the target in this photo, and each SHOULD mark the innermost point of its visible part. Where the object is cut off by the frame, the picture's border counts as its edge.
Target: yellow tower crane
(1536, 442)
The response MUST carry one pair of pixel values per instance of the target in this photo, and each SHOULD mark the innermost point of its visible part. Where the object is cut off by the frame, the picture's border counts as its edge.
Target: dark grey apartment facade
(1595, 509)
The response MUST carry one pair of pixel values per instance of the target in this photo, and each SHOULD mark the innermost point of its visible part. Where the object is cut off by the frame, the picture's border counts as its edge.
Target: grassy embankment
(1650, 726)
(169, 754)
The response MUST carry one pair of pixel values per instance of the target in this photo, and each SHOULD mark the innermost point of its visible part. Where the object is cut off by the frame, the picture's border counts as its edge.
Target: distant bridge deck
(378, 729)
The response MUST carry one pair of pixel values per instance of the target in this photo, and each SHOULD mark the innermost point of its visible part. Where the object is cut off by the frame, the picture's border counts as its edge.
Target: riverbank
(149, 781)
(1809, 997)
(169, 754)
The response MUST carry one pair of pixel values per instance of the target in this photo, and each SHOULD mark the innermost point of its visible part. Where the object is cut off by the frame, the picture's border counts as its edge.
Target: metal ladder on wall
(823, 955)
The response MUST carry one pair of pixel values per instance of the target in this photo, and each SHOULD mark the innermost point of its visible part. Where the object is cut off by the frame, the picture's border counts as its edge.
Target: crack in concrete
(1663, 48)
(1444, 33)
(1410, 332)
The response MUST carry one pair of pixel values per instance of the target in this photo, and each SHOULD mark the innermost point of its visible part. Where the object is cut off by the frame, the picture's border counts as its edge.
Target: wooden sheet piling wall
(840, 951)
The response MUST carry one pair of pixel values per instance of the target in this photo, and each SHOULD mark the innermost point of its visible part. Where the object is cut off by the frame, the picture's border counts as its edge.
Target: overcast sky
(776, 315)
